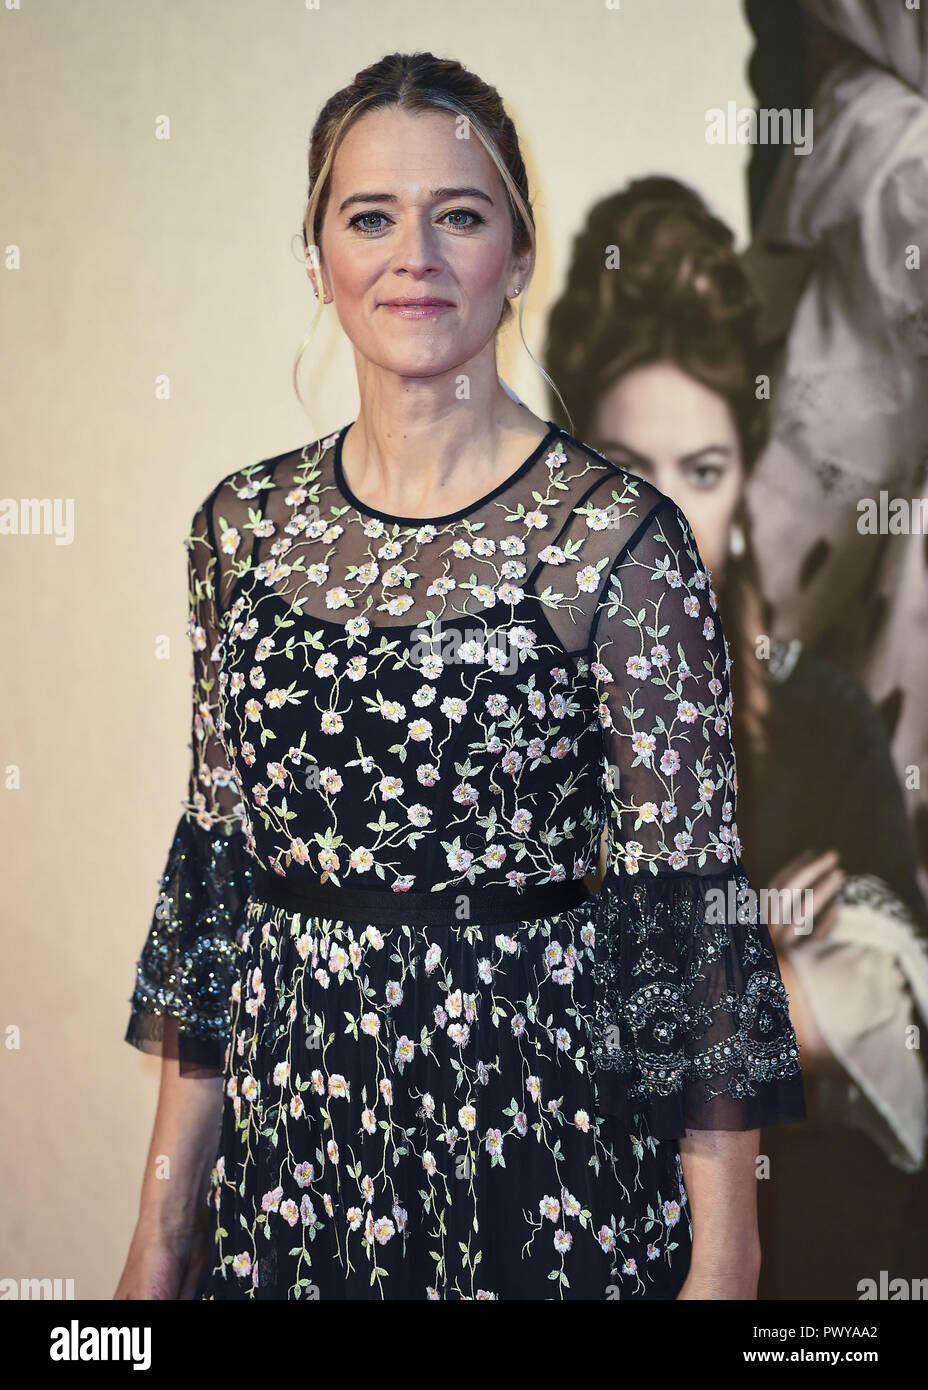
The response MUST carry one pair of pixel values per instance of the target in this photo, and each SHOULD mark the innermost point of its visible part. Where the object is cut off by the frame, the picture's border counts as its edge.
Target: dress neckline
(343, 487)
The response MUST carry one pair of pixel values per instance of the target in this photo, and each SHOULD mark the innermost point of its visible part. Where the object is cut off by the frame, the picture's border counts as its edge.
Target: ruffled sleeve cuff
(188, 963)
(691, 1020)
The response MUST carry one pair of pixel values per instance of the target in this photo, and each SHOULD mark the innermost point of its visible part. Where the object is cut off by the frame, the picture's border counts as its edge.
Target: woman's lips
(419, 310)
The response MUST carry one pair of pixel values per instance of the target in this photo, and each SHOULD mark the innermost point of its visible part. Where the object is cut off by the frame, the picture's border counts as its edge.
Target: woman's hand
(825, 878)
(169, 1243)
(161, 1264)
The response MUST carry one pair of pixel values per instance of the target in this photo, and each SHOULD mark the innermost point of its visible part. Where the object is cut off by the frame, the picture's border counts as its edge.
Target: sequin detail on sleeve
(187, 966)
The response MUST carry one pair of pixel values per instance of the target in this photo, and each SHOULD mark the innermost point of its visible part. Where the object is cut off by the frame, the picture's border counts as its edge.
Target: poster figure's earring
(517, 291)
(736, 541)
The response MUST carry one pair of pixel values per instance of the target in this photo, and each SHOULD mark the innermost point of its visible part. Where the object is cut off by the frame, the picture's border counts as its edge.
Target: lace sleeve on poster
(692, 1019)
(187, 965)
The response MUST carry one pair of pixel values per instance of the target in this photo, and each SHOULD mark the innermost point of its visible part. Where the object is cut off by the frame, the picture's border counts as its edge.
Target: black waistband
(484, 906)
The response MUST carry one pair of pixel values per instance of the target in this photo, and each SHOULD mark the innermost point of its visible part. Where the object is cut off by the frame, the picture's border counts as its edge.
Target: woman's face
(416, 212)
(664, 425)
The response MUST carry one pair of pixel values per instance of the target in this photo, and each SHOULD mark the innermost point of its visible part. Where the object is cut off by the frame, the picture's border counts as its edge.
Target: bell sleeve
(187, 965)
(691, 1021)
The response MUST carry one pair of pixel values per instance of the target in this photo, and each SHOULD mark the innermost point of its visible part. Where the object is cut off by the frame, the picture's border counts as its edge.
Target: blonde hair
(419, 82)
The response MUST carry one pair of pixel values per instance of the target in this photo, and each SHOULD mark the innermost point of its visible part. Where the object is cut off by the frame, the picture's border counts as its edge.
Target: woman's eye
(705, 475)
(360, 217)
(464, 212)
(361, 220)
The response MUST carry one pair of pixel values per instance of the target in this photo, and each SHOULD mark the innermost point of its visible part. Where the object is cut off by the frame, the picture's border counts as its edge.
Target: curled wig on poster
(654, 276)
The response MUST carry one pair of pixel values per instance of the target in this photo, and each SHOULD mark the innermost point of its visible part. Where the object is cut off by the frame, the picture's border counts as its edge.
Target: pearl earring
(736, 542)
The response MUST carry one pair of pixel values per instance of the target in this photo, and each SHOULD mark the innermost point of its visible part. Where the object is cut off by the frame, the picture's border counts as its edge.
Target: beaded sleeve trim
(692, 1019)
(187, 966)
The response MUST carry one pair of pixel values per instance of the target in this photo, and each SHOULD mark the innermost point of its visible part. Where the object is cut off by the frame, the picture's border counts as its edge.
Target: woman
(409, 640)
(660, 367)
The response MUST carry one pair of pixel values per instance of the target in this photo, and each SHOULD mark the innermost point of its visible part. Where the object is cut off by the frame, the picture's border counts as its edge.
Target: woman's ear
(522, 269)
(314, 273)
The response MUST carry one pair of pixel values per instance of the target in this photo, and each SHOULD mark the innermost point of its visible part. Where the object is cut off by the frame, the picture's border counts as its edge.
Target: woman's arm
(691, 1019)
(184, 978)
(165, 1255)
(719, 1174)
(182, 1149)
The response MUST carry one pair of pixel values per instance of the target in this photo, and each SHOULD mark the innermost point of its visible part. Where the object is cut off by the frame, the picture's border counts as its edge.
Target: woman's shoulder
(821, 693)
(603, 470)
(598, 485)
(238, 500)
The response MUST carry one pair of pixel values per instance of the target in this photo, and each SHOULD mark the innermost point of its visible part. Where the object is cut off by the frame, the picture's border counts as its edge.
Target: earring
(310, 261)
(517, 291)
(736, 542)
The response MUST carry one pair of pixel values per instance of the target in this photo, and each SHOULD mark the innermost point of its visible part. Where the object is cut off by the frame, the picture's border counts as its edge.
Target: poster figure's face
(659, 422)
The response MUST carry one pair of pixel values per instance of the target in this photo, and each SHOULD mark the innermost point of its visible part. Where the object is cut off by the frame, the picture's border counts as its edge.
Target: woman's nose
(415, 246)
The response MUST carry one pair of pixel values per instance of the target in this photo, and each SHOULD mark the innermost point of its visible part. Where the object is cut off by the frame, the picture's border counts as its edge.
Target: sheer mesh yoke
(465, 702)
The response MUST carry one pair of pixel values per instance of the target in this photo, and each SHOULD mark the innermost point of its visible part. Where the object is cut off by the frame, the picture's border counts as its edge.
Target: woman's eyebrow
(616, 446)
(436, 194)
(707, 449)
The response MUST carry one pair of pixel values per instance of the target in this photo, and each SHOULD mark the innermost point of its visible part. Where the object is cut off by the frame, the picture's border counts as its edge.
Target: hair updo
(678, 293)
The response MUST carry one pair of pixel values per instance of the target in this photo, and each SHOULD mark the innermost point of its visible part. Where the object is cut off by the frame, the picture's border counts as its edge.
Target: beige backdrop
(128, 258)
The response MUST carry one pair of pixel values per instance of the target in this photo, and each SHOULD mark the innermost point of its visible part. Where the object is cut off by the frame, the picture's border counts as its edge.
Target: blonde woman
(436, 651)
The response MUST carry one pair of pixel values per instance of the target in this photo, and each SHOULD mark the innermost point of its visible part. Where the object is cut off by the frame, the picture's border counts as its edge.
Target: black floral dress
(451, 1072)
